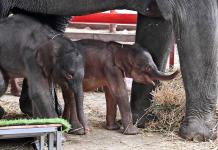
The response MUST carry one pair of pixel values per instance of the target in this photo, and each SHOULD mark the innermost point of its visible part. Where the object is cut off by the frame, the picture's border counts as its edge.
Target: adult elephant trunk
(73, 7)
(158, 75)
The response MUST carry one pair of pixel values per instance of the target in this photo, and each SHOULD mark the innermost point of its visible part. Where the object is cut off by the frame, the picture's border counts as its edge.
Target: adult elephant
(194, 24)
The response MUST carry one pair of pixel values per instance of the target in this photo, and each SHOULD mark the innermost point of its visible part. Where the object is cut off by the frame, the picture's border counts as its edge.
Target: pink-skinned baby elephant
(106, 65)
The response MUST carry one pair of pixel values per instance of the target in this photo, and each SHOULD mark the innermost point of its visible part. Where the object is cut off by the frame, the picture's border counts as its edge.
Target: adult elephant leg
(156, 35)
(26, 103)
(197, 38)
(3, 87)
(2, 112)
(42, 105)
(56, 103)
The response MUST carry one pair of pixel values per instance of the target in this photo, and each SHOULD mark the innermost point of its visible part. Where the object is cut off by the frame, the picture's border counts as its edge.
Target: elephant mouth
(149, 80)
(143, 78)
(146, 79)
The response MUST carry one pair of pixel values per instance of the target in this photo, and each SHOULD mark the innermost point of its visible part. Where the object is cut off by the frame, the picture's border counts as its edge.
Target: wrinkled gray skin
(57, 23)
(194, 23)
(40, 55)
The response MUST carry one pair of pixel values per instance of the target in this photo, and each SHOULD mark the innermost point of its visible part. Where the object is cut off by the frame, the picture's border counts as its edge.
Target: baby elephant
(106, 66)
(34, 51)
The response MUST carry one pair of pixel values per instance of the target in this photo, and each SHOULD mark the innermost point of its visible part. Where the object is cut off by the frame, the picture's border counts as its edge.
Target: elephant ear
(121, 56)
(115, 49)
(45, 57)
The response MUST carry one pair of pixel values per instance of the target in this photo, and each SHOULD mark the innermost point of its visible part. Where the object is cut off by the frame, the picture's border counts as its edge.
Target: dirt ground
(102, 139)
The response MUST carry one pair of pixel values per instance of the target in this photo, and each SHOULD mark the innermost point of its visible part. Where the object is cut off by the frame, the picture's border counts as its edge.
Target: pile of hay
(12, 108)
(169, 106)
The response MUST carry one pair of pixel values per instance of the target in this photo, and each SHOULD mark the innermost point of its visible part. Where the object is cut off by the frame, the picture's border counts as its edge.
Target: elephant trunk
(158, 75)
(79, 97)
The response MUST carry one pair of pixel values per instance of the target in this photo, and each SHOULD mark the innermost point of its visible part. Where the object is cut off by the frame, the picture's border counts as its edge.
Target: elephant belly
(92, 84)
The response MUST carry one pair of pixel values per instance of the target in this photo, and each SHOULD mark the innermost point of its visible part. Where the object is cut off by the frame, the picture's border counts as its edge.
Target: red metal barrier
(114, 18)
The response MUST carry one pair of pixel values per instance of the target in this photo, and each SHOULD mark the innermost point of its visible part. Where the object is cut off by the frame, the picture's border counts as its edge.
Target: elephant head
(61, 60)
(137, 63)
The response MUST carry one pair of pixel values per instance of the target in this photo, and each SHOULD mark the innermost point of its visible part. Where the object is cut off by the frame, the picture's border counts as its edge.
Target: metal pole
(58, 140)
(112, 26)
(51, 141)
(172, 55)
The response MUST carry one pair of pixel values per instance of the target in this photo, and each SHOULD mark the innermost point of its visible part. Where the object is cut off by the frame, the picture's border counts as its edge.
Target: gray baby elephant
(34, 51)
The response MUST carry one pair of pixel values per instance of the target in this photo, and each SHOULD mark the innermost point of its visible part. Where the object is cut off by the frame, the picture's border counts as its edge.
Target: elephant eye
(147, 68)
(69, 76)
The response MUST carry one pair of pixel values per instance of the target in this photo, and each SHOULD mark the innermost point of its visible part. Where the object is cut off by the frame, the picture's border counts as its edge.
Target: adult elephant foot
(199, 129)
